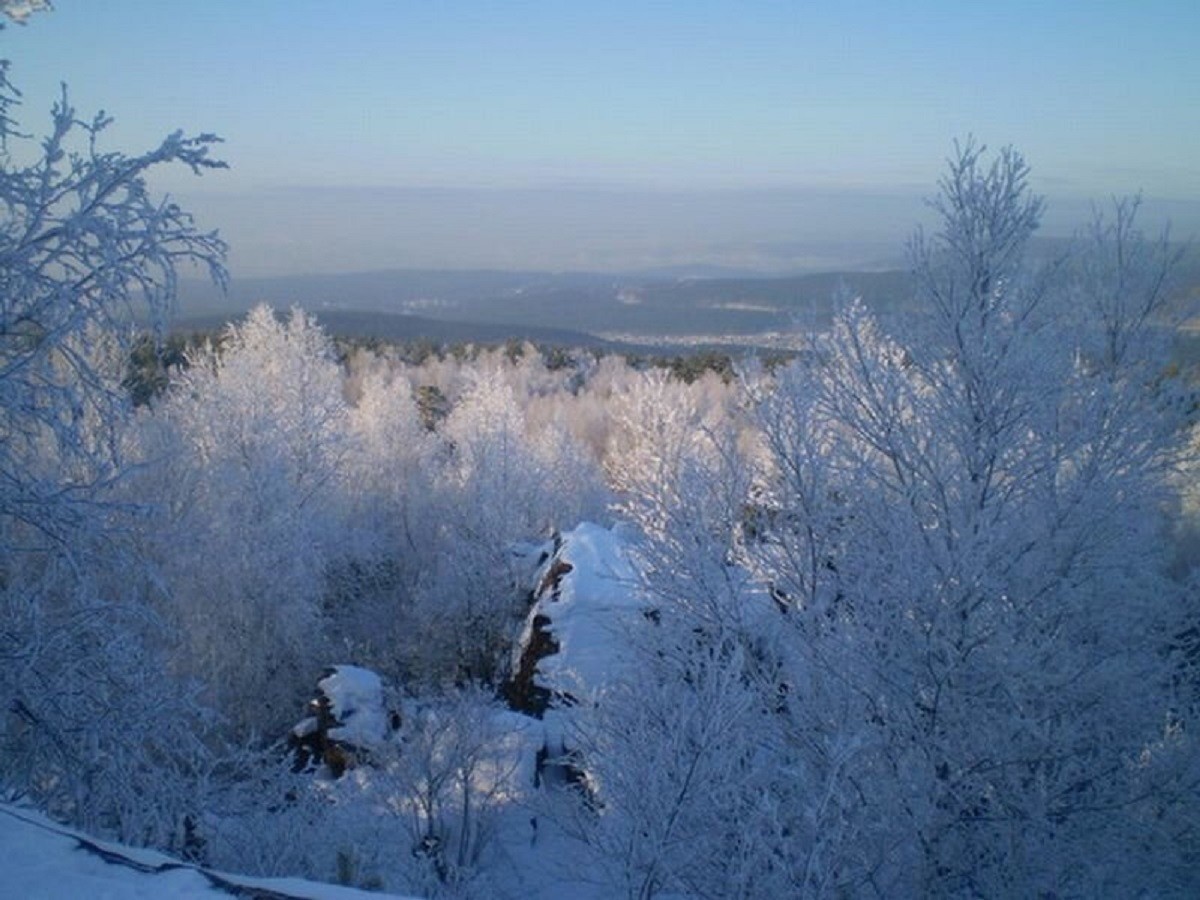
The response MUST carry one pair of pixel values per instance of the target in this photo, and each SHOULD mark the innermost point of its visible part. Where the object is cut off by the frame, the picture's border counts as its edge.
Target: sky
(610, 135)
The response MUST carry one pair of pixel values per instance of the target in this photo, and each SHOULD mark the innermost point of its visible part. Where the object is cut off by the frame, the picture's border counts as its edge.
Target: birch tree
(88, 722)
(976, 544)
(252, 441)
(944, 588)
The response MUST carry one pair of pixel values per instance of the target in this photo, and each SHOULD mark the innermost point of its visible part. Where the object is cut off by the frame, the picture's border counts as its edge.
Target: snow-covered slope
(46, 861)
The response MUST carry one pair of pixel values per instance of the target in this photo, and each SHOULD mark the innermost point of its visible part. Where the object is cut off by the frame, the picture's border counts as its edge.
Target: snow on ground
(47, 861)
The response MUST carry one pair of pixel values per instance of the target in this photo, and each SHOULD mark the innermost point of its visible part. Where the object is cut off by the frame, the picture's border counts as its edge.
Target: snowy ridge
(598, 599)
(588, 604)
(48, 861)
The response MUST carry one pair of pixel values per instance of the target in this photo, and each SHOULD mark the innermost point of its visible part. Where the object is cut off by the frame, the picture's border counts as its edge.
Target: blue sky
(639, 98)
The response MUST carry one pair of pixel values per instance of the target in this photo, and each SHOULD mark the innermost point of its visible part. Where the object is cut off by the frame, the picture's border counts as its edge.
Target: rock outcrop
(347, 720)
(585, 599)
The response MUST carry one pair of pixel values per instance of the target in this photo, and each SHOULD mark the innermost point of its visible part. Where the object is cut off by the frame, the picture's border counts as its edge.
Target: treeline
(152, 361)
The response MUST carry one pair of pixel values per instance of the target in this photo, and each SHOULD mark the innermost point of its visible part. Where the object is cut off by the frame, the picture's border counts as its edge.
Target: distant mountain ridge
(403, 328)
(577, 308)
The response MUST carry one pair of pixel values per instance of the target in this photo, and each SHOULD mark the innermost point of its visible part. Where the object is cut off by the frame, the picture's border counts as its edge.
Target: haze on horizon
(762, 136)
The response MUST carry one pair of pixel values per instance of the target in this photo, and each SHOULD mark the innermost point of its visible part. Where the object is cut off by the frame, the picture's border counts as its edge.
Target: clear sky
(372, 101)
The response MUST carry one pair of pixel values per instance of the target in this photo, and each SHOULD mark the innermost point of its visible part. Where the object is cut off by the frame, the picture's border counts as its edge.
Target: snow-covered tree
(390, 527)
(83, 249)
(968, 529)
(499, 489)
(942, 588)
(20, 10)
(251, 442)
(685, 794)
(89, 723)
(457, 763)
(662, 432)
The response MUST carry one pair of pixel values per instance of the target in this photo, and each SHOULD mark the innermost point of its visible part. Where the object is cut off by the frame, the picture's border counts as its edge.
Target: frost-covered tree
(89, 725)
(83, 249)
(685, 794)
(458, 761)
(251, 443)
(390, 527)
(943, 583)
(20, 10)
(967, 527)
(662, 430)
(499, 489)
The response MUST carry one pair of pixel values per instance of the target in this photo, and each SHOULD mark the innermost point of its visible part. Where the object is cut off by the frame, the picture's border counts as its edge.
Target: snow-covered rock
(348, 717)
(591, 608)
(356, 701)
(576, 637)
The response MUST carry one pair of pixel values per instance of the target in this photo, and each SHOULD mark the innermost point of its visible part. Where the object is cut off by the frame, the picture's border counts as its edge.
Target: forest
(914, 611)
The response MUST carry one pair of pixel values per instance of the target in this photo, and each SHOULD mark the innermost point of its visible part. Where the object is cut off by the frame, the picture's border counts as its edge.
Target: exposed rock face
(347, 719)
(521, 690)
